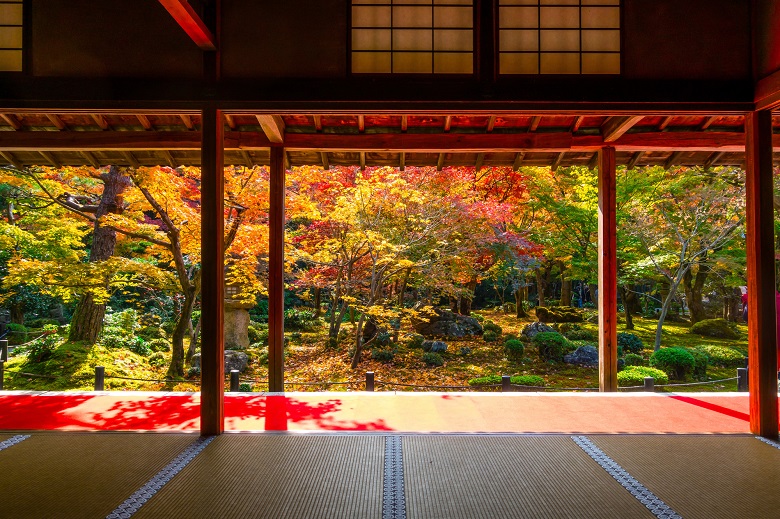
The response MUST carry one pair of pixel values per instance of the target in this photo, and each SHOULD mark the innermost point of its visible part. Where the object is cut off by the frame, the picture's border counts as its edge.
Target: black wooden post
(100, 377)
(369, 380)
(649, 384)
(506, 383)
(234, 380)
(2, 373)
(4, 350)
(742, 380)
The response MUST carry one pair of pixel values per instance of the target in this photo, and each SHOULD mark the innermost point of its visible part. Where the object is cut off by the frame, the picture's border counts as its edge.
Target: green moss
(635, 376)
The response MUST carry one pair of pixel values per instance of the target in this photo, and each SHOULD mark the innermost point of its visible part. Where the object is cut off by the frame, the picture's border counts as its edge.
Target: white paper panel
(453, 40)
(10, 60)
(560, 63)
(518, 40)
(11, 37)
(453, 63)
(412, 62)
(412, 16)
(455, 17)
(10, 14)
(518, 17)
(560, 40)
(601, 63)
(601, 40)
(560, 17)
(370, 16)
(371, 39)
(518, 64)
(600, 18)
(410, 39)
(371, 62)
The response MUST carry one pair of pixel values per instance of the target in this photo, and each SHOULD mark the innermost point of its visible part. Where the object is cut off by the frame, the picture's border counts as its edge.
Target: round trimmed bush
(490, 326)
(157, 359)
(551, 345)
(580, 335)
(719, 328)
(723, 356)
(518, 380)
(159, 345)
(630, 342)
(433, 359)
(514, 349)
(632, 359)
(415, 340)
(700, 364)
(489, 336)
(382, 355)
(678, 363)
(635, 376)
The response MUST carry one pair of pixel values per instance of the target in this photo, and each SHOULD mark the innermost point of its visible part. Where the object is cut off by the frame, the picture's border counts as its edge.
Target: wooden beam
(212, 417)
(558, 161)
(607, 260)
(447, 123)
(518, 160)
(10, 159)
(144, 122)
(276, 273)
(577, 123)
(767, 92)
(130, 158)
(614, 127)
(361, 123)
(50, 158)
(100, 121)
(760, 247)
(189, 20)
(634, 159)
(665, 123)
(673, 158)
(317, 123)
(362, 160)
(12, 121)
(230, 121)
(440, 162)
(593, 162)
(168, 158)
(712, 159)
(535, 123)
(187, 120)
(479, 161)
(324, 157)
(707, 123)
(404, 123)
(287, 161)
(56, 121)
(248, 162)
(273, 127)
(402, 161)
(491, 123)
(91, 159)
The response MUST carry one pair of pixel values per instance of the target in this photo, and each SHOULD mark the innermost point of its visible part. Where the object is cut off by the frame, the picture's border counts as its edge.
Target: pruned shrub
(152, 332)
(157, 359)
(300, 319)
(490, 326)
(632, 359)
(433, 359)
(159, 345)
(415, 340)
(723, 356)
(258, 332)
(630, 342)
(40, 322)
(580, 335)
(514, 349)
(678, 363)
(245, 387)
(42, 348)
(489, 336)
(518, 380)
(558, 314)
(382, 355)
(719, 328)
(139, 346)
(551, 345)
(700, 364)
(635, 376)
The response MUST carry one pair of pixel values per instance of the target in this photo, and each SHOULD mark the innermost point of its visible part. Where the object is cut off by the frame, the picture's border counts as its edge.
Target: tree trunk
(88, 317)
(665, 309)
(176, 368)
(193, 343)
(626, 307)
(317, 302)
(465, 301)
(358, 341)
(693, 286)
(594, 293)
(540, 287)
(520, 297)
(402, 288)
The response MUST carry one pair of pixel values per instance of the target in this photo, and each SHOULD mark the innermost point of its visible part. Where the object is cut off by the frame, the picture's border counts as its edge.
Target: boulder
(236, 326)
(434, 346)
(445, 323)
(532, 329)
(233, 360)
(583, 356)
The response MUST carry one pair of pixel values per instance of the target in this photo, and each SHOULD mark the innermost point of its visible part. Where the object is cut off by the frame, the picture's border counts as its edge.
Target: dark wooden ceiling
(441, 140)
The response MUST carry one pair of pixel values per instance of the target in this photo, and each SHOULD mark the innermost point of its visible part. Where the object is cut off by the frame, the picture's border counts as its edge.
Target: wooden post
(212, 393)
(276, 273)
(762, 331)
(607, 296)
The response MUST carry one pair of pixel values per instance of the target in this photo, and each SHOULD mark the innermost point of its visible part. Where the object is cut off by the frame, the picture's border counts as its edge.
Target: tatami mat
(277, 476)
(468, 477)
(80, 476)
(705, 477)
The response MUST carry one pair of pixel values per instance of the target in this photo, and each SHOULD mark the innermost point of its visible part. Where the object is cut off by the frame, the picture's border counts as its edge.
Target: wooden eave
(414, 139)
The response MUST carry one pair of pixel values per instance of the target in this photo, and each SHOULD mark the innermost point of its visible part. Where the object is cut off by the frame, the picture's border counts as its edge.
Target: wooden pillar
(762, 331)
(276, 273)
(607, 297)
(212, 420)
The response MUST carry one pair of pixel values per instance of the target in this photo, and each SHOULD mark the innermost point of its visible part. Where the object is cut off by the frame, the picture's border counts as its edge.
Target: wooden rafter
(144, 122)
(635, 159)
(187, 120)
(273, 127)
(168, 158)
(192, 24)
(558, 161)
(577, 123)
(10, 159)
(491, 123)
(673, 158)
(248, 162)
(50, 158)
(362, 160)
(447, 123)
(56, 121)
(100, 121)
(130, 158)
(404, 123)
(479, 161)
(91, 159)
(361, 123)
(707, 123)
(231, 122)
(12, 121)
(324, 158)
(518, 160)
(614, 127)
(440, 162)
(287, 161)
(665, 123)
(712, 159)
(593, 161)
(402, 161)
(535, 123)
(317, 123)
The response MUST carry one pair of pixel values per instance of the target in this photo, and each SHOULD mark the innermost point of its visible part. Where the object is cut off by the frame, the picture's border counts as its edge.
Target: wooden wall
(767, 37)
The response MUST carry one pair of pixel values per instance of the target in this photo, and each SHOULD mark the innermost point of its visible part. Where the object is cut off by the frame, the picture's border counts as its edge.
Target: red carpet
(404, 412)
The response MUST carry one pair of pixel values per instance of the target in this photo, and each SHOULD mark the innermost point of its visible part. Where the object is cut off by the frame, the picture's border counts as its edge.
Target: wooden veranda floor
(379, 475)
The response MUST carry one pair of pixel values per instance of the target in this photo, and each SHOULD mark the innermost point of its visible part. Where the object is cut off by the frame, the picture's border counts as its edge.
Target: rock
(434, 346)
(465, 350)
(532, 329)
(236, 326)
(583, 356)
(233, 360)
(448, 324)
